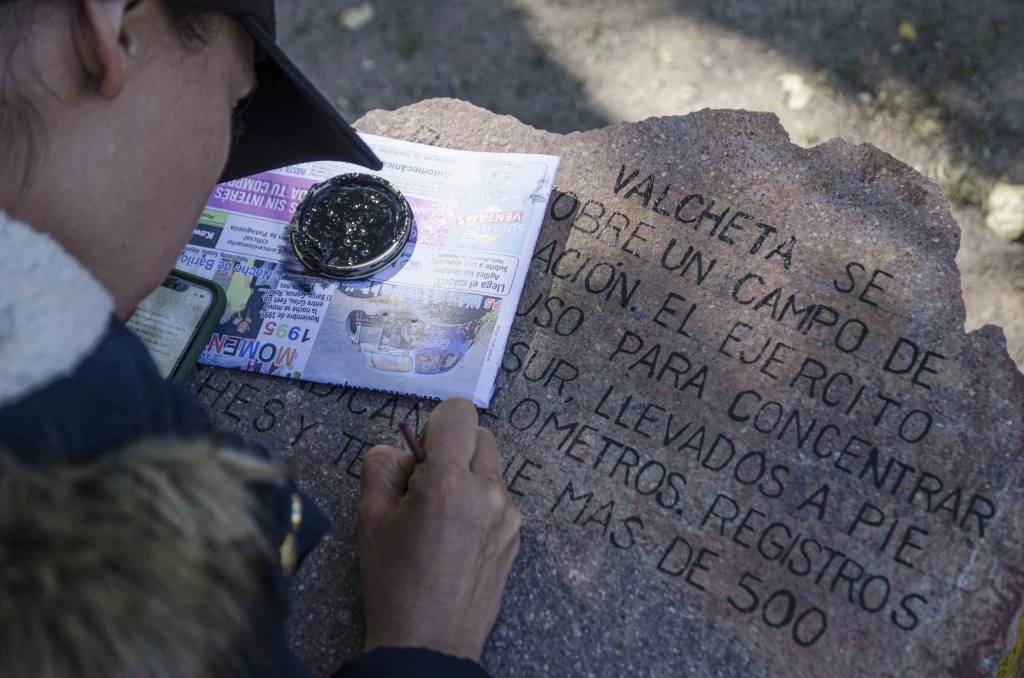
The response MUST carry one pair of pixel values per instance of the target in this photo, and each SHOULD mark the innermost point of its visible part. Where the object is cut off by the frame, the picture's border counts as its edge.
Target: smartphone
(176, 321)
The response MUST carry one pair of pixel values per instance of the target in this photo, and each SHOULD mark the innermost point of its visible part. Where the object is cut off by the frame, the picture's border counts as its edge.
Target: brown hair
(195, 26)
(19, 117)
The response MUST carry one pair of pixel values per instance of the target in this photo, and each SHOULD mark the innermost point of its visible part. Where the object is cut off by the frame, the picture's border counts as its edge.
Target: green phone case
(187, 365)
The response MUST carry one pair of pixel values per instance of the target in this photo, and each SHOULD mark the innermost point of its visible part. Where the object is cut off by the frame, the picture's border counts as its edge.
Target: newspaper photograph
(434, 323)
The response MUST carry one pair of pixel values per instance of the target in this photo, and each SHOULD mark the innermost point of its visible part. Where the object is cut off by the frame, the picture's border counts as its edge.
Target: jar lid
(351, 226)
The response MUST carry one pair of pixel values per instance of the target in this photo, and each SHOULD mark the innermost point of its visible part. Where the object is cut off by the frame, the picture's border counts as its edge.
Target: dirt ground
(938, 84)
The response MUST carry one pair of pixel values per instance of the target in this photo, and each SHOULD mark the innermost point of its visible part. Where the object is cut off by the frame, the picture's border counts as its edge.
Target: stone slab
(738, 410)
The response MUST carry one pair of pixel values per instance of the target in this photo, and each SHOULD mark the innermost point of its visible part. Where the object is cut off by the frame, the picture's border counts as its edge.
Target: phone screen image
(168, 319)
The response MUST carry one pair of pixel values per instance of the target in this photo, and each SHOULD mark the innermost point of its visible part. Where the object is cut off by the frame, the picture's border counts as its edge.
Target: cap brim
(287, 121)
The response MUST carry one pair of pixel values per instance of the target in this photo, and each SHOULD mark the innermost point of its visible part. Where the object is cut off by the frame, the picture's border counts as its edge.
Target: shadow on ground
(476, 51)
(963, 71)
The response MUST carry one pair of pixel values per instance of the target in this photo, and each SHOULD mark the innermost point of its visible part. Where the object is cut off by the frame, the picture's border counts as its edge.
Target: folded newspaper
(433, 324)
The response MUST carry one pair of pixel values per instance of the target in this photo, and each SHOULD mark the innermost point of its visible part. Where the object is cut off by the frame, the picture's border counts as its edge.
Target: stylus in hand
(410, 440)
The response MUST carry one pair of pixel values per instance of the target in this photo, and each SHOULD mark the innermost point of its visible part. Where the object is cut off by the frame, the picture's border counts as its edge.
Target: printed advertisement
(434, 323)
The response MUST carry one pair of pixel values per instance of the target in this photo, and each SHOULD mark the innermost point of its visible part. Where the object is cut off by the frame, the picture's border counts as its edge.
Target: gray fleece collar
(53, 312)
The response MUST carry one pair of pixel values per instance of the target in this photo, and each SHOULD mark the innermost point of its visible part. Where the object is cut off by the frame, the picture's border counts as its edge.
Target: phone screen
(168, 319)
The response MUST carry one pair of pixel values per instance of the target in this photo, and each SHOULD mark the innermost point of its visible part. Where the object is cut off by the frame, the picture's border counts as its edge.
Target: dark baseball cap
(285, 121)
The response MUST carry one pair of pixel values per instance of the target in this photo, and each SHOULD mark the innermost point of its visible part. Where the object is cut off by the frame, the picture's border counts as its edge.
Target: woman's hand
(436, 539)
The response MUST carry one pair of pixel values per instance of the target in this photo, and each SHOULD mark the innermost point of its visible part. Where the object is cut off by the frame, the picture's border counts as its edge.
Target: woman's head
(115, 123)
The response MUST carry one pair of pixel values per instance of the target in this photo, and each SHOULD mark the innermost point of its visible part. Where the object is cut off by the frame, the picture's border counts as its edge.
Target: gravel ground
(937, 83)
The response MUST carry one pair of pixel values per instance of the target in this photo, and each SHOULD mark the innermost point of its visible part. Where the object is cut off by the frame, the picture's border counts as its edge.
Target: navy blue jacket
(92, 386)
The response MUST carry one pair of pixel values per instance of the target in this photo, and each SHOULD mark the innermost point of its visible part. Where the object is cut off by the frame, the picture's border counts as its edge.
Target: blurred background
(939, 84)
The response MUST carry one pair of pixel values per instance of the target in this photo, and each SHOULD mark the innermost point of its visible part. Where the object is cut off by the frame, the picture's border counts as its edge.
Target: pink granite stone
(740, 414)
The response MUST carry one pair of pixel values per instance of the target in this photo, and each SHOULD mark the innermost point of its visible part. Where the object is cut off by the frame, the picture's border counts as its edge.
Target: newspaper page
(433, 324)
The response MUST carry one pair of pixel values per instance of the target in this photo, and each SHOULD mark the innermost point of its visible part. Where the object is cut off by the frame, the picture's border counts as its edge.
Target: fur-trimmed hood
(148, 562)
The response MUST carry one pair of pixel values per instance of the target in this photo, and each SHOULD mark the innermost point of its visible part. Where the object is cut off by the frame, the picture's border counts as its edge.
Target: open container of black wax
(351, 226)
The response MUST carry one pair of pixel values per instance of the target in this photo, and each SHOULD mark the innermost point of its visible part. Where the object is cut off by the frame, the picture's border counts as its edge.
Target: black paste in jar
(351, 226)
